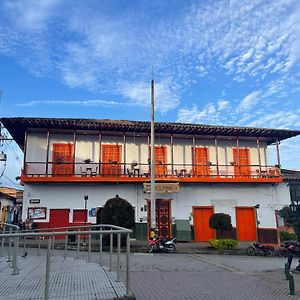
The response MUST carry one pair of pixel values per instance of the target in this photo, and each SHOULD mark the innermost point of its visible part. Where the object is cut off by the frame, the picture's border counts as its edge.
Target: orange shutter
(242, 166)
(62, 158)
(111, 159)
(160, 158)
(201, 157)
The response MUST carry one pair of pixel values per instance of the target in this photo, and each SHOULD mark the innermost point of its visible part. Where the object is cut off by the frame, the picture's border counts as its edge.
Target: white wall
(224, 198)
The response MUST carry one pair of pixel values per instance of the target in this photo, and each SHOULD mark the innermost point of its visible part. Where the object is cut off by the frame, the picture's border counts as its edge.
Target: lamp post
(295, 208)
(86, 198)
(257, 222)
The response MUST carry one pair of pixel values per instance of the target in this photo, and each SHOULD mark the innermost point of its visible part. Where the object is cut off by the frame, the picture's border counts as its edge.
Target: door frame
(149, 212)
(255, 218)
(202, 206)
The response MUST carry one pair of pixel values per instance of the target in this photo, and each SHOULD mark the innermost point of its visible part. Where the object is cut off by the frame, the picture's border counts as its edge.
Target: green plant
(287, 236)
(220, 222)
(119, 212)
(287, 214)
(223, 244)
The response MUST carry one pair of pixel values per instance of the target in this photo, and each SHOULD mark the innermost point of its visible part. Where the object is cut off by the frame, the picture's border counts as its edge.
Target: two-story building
(200, 170)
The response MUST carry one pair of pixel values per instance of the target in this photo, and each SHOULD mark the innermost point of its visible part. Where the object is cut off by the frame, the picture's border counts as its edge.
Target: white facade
(223, 197)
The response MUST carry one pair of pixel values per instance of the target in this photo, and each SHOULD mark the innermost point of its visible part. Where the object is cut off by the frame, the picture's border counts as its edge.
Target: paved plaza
(153, 276)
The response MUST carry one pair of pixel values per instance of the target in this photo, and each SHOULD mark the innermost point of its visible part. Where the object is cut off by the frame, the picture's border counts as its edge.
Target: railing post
(2, 241)
(78, 246)
(15, 256)
(127, 265)
(9, 246)
(39, 245)
(90, 246)
(66, 246)
(53, 245)
(24, 245)
(100, 248)
(118, 256)
(110, 251)
(47, 277)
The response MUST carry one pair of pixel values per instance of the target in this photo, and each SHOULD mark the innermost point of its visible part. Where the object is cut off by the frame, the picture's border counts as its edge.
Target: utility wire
(16, 186)
(15, 154)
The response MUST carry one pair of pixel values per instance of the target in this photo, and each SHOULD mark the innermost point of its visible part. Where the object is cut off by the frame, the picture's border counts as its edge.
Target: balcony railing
(127, 170)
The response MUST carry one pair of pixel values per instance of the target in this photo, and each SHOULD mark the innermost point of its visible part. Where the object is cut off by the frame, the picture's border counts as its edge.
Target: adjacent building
(199, 169)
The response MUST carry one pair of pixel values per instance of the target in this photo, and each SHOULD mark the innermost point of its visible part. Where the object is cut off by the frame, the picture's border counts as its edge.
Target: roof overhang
(18, 126)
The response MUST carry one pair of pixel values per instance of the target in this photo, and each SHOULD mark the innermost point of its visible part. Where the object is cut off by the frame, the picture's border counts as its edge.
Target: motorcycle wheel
(269, 252)
(282, 252)
(251, 251)
(151, 250)
(171, 248)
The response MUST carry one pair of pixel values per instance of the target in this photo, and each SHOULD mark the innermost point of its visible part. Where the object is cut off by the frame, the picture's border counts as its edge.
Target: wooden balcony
(120, 172)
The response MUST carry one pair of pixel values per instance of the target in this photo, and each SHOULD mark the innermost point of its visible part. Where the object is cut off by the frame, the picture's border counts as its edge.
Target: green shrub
(223, 244)
(287, 236)
(220, 222)
(119, 212)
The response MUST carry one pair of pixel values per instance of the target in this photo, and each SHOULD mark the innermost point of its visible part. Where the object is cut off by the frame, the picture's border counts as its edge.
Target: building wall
(87, 146)
(224, 198)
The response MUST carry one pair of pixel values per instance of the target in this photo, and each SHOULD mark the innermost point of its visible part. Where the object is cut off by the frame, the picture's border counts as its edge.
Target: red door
(202, 231)
(160, 158)
(245, 223)
(62, 158)
(59, 218)
(242, 165)
(162, 217)
(79, 216)
(201, 157)
(111, 159)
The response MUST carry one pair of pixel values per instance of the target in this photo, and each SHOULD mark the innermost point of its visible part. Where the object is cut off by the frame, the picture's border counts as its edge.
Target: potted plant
(87, 160)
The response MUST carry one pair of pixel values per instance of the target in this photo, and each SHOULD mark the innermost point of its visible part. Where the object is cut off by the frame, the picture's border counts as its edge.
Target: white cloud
(140, 94)
(249, 101)
(73, 102)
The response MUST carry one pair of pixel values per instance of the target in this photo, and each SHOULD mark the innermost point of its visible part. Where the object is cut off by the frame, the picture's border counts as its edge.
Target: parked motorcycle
(259, 250)
(160, 244)
(288, 247)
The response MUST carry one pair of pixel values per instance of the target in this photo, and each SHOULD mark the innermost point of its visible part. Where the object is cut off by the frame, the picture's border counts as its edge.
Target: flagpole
(152, 163)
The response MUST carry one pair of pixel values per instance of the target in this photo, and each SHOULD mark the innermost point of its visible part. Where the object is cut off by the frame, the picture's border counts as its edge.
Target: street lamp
(86, 198)
(257, 222)
(295, 208)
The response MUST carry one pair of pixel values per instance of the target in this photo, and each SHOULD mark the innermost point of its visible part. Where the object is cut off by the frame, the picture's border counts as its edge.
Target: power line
(10, 181)
(15, 154)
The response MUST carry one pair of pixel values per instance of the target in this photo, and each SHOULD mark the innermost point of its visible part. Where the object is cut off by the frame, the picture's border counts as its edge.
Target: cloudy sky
(214, 62)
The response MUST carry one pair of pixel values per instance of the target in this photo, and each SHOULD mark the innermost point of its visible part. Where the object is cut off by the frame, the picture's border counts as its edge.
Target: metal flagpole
(152, 162)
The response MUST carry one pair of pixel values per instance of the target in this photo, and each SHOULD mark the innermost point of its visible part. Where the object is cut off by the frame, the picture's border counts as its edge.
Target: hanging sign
(162, 188)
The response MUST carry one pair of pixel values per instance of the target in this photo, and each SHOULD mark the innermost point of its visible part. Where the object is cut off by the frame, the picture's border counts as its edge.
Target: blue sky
(214, 62)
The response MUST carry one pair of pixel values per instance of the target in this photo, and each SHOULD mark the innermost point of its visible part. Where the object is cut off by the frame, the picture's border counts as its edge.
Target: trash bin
(183, 230)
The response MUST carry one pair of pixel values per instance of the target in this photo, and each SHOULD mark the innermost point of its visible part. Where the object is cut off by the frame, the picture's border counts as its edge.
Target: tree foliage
(288, 216)
(119, 212)
(220, 222)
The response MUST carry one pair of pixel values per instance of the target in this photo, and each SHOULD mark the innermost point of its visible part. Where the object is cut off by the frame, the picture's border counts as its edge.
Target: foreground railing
(78, 231)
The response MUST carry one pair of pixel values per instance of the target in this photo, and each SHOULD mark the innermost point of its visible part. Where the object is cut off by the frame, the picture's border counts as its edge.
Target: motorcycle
(258, 249)
(160, 244)
(288, 247)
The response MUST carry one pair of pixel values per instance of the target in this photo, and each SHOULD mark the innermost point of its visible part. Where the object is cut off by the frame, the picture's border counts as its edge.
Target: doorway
(162, 217)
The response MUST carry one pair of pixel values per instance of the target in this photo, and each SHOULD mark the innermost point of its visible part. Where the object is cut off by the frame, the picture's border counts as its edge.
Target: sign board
(162, 188)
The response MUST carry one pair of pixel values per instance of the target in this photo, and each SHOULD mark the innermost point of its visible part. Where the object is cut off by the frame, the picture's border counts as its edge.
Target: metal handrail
(50, 244)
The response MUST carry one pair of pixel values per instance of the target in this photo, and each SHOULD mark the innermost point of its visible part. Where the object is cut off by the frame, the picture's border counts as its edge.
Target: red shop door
(59, 218)
(79, 216)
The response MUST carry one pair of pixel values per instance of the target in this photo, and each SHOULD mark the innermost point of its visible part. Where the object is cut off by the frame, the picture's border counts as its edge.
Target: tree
(220, 222)
(119, 212)
(288, 216)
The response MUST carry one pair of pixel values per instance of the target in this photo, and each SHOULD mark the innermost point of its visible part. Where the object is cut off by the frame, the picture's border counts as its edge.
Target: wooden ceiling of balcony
(18, 126)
